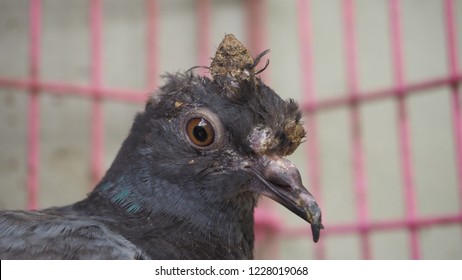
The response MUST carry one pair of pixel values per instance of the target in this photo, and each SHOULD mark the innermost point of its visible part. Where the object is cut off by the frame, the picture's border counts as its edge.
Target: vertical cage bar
(453, 60)
(308, 87)
(97, 132)
(203, 25)
(151, 44)
(404, 131)
(355, 122)
(33, 155)
(256, 29)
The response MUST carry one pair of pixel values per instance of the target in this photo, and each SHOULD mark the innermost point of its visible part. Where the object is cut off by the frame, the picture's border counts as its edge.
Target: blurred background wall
(66, 119)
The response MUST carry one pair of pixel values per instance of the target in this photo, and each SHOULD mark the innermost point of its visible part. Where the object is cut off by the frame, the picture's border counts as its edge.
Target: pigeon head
(187, 178)
(213, 145)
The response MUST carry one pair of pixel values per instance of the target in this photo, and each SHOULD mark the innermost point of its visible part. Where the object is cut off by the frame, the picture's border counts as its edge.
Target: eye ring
(203, 129)
(200, 131)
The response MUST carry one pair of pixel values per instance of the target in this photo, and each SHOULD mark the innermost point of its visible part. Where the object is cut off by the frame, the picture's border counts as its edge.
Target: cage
(378, 81)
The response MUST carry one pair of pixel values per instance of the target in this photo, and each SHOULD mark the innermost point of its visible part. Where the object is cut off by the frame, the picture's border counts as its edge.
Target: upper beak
(280, 180)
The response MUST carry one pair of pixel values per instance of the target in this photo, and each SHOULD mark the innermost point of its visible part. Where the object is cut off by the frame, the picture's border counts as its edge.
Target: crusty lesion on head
(295, 133)
(261, 139)
(264, 140)
(232, 59)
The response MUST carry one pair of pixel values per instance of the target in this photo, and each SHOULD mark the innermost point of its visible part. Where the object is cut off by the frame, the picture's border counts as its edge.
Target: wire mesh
(268, 225)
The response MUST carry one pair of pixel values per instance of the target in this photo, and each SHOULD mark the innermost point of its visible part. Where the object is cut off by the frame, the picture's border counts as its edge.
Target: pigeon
(187, 178)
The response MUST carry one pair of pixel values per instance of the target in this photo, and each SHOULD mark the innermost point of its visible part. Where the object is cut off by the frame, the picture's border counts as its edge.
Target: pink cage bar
(267, 224)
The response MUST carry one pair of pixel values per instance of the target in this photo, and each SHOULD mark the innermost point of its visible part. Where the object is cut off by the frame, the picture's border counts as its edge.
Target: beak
(279, 179)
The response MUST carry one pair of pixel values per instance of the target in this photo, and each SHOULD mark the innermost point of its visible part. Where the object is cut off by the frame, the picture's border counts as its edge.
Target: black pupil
(200, 133)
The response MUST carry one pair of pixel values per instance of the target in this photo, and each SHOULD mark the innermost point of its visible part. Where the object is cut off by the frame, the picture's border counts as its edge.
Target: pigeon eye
(200, 132)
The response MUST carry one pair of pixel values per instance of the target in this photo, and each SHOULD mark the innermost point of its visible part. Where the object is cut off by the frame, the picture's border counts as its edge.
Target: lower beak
(280, 180)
